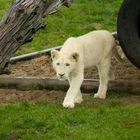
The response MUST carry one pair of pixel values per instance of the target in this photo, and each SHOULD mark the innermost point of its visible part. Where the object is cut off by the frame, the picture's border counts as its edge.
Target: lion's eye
(67, 64)
(58, 64)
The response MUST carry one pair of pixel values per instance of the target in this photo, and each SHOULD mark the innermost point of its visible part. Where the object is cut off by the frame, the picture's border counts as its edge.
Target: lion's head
(64, 64)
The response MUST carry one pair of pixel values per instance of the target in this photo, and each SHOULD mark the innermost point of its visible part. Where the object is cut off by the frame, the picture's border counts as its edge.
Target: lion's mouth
(62, 78)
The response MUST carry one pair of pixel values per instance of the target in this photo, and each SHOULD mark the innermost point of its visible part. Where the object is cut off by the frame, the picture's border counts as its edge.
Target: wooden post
(21, 23)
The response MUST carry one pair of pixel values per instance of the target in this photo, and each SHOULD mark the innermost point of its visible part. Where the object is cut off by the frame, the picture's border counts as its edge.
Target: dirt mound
(42, 66)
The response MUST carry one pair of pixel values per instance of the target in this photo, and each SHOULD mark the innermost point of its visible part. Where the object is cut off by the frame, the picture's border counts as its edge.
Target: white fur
(92, 49)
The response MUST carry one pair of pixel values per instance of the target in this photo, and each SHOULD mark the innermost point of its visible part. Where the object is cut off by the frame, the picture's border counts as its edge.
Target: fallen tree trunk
(89, 85)
(21, 23)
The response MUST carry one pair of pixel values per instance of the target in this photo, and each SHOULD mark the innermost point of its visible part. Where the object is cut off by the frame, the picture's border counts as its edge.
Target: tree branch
(21, 23)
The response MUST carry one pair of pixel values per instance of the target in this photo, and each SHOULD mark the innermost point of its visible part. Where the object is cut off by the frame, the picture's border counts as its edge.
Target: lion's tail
(116, 55)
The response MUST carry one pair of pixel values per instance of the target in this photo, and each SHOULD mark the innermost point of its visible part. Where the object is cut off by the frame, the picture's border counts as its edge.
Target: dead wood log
(21, 23)
(89, 85)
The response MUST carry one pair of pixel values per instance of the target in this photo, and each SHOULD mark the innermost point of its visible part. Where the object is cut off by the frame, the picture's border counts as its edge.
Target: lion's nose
(61, 75)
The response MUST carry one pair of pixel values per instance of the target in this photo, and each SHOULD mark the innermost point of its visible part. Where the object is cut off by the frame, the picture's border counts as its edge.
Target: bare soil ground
(42, 66)
(15, 96)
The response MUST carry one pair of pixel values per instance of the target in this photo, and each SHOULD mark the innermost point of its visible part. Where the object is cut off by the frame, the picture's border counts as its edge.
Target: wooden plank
(89, 85)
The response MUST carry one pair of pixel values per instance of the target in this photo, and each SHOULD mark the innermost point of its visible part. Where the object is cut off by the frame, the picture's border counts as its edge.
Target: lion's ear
(54, 54)
(75, 56)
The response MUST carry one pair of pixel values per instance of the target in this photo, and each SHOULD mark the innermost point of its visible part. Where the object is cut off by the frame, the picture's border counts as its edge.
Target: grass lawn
(92, 120)
(89, 121)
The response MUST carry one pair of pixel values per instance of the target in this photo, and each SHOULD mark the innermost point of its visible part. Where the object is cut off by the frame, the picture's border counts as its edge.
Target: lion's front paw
(68, 104)
(100, 96)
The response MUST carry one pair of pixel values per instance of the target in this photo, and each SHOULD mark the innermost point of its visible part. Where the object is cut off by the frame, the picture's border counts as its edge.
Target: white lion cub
(93, 49)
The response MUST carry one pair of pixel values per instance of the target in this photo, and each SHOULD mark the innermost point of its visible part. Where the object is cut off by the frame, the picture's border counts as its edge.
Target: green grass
(83, 16)
(49, 121)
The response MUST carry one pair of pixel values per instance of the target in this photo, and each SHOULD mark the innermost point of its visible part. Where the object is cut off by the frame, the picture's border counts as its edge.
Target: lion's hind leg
(104, 69)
